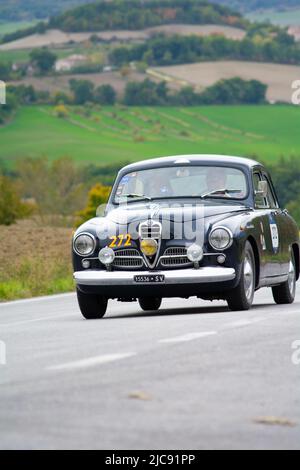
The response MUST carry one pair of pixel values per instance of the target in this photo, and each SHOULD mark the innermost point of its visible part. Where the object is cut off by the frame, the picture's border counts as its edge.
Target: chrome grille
(175, 256)
(150, 229)
(128, 258)
(175, 251)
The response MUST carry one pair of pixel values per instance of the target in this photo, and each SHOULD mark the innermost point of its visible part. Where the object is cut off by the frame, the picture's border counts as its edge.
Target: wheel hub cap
(248, 278)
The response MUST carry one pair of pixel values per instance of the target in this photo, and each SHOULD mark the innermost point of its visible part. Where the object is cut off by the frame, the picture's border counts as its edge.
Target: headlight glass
(149, 246)
(84, 244)
(106, 255)
(220, 238)
(194, 253)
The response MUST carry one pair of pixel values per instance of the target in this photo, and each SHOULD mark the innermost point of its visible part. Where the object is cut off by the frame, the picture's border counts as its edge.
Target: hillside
(113, 134)
(133, 14)
(20, 10)
(252, 5)
(278, 77)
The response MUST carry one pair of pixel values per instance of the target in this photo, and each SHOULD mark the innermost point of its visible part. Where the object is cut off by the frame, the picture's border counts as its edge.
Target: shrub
(97, 196)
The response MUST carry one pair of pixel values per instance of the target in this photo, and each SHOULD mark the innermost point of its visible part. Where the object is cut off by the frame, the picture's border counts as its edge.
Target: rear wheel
(285, 293)
(92, 306)
(150, 303)
(241, 297)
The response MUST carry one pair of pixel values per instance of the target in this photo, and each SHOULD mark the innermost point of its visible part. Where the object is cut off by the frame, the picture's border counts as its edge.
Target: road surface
(193, 376)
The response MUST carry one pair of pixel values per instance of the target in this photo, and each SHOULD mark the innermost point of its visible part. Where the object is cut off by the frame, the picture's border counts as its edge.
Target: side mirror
(262, 190)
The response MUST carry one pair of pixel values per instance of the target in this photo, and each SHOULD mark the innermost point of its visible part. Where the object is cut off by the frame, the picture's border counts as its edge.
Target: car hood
(173, 212)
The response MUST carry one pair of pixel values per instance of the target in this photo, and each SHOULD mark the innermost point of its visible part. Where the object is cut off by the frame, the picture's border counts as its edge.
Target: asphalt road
(192, 376)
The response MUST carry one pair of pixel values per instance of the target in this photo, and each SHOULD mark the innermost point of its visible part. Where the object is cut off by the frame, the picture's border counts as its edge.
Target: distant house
(295, 31)
(69, 63)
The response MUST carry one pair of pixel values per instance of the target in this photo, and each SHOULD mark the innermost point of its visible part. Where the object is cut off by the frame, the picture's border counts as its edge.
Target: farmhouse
(69, 63)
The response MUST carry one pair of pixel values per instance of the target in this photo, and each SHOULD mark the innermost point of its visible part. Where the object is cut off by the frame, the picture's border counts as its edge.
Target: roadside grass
(104, 134)
(36, 262)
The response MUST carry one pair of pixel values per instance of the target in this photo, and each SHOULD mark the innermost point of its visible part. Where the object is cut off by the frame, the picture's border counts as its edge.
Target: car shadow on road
(206, 310)
(170, 311)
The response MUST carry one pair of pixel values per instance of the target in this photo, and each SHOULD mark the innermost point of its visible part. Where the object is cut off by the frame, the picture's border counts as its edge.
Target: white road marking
(188, 337)
(91, 361)
(23, 322)
(244, 322)
(36, 299)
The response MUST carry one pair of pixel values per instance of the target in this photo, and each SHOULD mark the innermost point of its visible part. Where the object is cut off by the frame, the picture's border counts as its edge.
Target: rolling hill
(107, 134)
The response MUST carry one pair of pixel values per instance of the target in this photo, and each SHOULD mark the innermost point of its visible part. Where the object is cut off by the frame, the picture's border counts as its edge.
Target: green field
(10, 27)
(115, 134)
(282, 18)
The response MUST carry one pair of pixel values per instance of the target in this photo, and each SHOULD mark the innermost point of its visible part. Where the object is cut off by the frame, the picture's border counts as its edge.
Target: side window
(272, 201)
(260, 202)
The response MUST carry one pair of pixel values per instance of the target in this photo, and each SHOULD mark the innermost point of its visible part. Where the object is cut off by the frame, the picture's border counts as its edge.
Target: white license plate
(149, 279)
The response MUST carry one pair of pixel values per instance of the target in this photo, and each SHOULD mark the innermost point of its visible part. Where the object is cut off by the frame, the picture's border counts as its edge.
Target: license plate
(150, 279)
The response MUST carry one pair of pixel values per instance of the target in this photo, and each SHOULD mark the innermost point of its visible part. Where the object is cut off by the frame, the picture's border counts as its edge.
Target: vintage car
(194, 225)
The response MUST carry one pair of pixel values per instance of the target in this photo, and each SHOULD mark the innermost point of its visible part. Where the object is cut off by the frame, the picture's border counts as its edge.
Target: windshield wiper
(134, 195)
(221, 190)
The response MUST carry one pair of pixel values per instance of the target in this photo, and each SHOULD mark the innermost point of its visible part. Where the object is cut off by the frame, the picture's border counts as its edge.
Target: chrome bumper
(178, 276)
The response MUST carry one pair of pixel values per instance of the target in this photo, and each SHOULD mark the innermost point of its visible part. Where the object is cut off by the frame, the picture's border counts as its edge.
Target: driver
(216, 179)
(158, 186)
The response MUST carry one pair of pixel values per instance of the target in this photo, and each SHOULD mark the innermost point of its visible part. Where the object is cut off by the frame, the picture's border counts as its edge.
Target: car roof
(186, 159)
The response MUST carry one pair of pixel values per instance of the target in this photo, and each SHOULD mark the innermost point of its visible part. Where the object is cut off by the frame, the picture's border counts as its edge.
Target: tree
(11, 207)
(105, 95)
(97, 196)
(83, 91)
(186, 97)
(43, 59)
(56, 187)
(5, 71)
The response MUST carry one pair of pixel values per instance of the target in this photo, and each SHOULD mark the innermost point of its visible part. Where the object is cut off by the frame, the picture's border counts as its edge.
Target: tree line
(172, 50)
(145, 93)
(60, 187)
(134, 15)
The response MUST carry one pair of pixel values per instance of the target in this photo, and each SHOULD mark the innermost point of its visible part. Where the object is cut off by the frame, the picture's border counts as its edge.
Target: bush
(11, 206)
(97, 196)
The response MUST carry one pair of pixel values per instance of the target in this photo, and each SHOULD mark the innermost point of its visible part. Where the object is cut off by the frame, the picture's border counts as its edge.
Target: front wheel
(285, 293)
(92, 306)
(149, 303)
(241, 297)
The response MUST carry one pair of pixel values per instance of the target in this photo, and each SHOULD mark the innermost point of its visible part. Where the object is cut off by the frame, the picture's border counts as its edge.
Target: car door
(269, 230)
(279, 229)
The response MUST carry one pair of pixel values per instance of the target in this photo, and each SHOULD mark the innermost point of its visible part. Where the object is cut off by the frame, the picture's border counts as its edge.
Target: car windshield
(182, 181)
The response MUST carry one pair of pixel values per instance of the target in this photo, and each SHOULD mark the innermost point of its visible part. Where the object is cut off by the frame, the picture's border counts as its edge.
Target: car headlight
(220, 238)
(194, 253)
(84, 244)
(106, 255)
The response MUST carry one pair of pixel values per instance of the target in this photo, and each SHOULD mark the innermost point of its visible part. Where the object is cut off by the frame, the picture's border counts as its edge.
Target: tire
(150, 303)
(91, 306)
(241, 297)
(285, 293)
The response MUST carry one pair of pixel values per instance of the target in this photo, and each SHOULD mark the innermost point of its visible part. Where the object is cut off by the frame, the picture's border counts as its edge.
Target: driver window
(271, 198)
(260, 202)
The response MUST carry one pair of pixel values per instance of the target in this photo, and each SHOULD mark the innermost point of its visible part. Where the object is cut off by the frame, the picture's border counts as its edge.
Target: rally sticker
(274, 236)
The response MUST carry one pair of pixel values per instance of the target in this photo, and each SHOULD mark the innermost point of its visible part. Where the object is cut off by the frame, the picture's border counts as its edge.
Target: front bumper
(173, 277)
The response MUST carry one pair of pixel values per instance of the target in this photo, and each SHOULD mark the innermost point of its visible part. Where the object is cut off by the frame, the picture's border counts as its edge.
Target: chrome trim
(155, 237)
(180, 257)
(91, 236)
(123, 257)
(172, 277)
(229, 233)
(147, 224)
